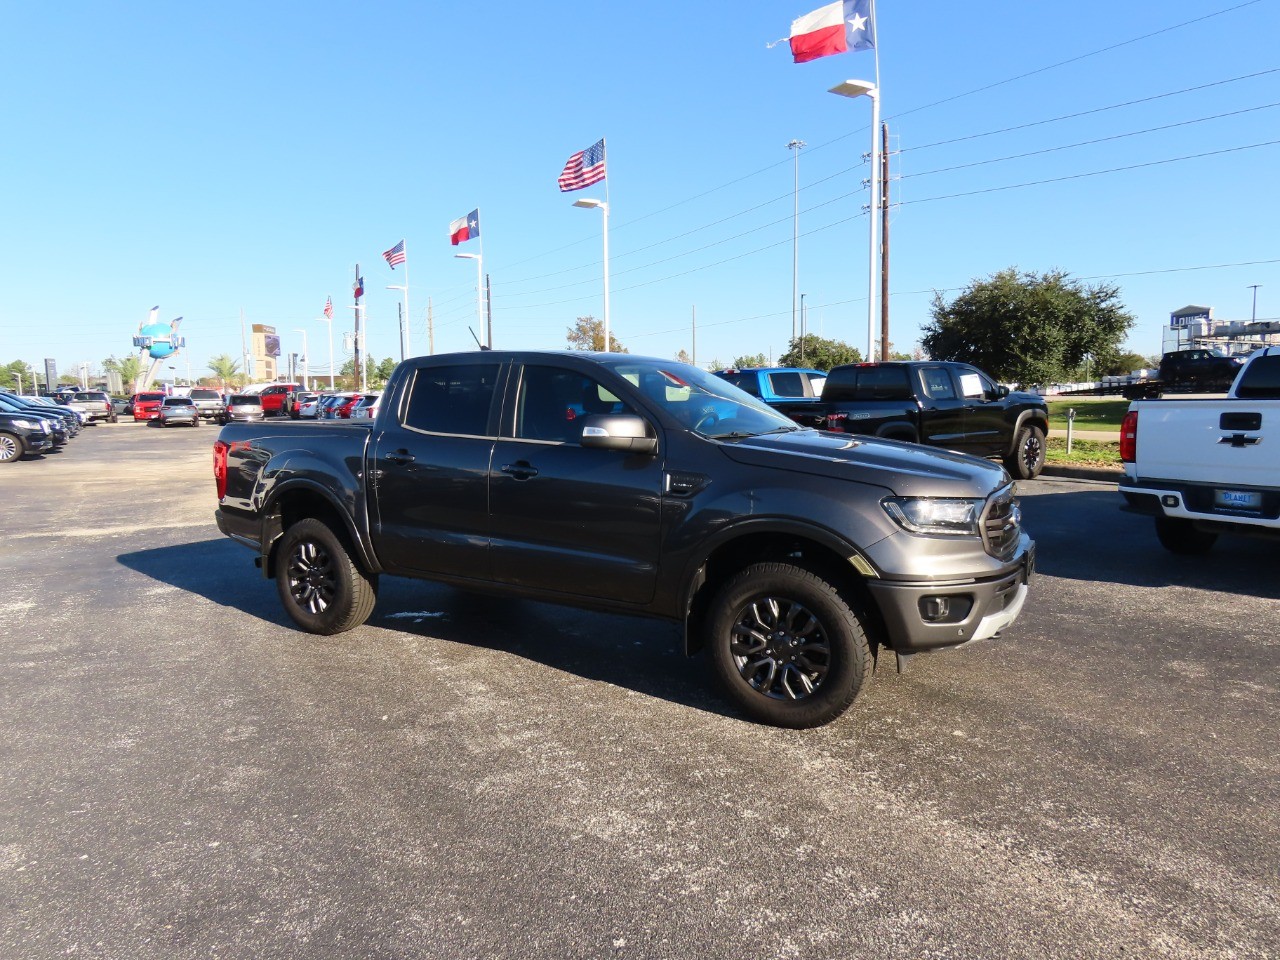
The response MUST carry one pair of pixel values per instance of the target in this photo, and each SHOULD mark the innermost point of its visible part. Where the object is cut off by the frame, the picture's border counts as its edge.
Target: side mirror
(1002, 391)
(618, 431)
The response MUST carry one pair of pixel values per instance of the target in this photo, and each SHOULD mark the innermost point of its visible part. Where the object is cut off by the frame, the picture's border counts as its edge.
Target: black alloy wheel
(786, 645)
(320, 586)
(1028, 454)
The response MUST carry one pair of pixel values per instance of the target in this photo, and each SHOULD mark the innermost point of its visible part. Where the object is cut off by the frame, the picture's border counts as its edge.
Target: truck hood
(906, 469)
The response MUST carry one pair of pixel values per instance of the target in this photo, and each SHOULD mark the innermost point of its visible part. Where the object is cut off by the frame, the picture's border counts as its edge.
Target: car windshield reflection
(706, 404)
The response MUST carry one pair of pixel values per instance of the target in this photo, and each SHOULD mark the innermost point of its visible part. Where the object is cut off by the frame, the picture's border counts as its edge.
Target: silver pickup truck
(94, 404)
(1201, 467)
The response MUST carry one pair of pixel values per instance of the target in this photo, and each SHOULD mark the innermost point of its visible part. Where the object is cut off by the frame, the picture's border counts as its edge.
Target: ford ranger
(636, 485)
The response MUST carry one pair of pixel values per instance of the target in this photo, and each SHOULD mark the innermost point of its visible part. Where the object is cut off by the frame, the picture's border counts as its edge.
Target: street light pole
(404, 317)
(604, 209)
(1254, 287)
(795, 146)
(306, 356)
(479, 259)
(862, 88)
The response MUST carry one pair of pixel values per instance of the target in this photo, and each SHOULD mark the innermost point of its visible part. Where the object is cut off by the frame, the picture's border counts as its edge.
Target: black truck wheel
(1179, 535)
(1027, 459)
(11, 448)
(786, 646)
(320, 586)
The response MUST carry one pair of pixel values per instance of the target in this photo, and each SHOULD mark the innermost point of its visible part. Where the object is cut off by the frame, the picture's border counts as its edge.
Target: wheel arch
(810, 547)
(1035, 418)
(300, 499)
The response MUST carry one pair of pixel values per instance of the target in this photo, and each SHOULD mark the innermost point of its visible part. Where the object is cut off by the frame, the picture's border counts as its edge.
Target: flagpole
(873, 215)
(488, 339)
(604, 158)
(405, 349)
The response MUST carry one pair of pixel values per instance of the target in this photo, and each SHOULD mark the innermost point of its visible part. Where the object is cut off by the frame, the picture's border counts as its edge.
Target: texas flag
(465, 228)
(835, 28)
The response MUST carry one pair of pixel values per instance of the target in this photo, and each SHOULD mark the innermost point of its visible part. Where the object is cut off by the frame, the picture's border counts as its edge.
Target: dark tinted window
(749, 382)
(453, 399)
(177, 402)
(1262, 379)
(553, 401)
(244, 398)
(205, 395)
(867, 382)
(788, 384)
(937, 383)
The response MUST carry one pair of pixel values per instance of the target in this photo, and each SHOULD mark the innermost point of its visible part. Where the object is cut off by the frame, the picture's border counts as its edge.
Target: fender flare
(272, 530)
(1021, 422)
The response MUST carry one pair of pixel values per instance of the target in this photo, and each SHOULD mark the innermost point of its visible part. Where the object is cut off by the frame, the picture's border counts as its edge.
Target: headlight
(935, 516)
(29, 424)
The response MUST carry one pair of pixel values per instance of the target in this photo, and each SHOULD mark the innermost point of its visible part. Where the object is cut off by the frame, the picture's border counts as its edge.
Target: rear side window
(1261, 381)
(453, 399)
(937, 383)
(787, 384)
(869, 382)
(743, 381)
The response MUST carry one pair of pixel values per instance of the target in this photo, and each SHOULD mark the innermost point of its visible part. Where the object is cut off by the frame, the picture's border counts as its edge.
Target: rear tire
(1027, 459)
(320, 586)
(786, 646)
(1179, 535)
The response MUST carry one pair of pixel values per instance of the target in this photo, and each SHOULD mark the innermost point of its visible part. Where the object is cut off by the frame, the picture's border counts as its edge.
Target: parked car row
(345, 405)
(31, 426)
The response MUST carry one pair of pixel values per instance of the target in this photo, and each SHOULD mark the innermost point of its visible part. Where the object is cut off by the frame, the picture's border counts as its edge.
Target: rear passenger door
(942, 414)
(567, 518)
(429, 471)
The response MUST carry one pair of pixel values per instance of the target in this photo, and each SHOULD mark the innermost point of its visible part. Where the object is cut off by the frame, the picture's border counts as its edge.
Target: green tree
(683, 356)
(227, 370)
(752, 360)
(1120, 364)
(1027, 327)
(819, 353)
(382, 373)
(130, 369)
(587, 333)
(18, 374)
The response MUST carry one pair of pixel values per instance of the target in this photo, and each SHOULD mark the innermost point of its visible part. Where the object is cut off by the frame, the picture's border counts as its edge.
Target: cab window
(452, 399)
(552, 402)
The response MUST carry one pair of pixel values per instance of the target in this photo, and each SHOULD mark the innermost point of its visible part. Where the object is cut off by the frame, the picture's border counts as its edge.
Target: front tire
(1027, 459)
(321, 588)
(11, 448)
(1179, 535)
(786, 646)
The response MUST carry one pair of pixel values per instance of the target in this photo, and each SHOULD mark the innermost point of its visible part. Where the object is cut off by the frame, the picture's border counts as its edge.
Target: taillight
(1129, 437)
(835, 422)
(220, 468)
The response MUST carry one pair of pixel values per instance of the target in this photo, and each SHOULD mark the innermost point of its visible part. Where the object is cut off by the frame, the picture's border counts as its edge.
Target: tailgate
(1210, 441)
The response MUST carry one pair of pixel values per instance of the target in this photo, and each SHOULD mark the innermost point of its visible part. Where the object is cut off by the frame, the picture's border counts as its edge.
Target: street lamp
(329, 321)
(306, 356)
(864, 88)
(604, 209)
(795, 146)
(479, 259)
(404, 317)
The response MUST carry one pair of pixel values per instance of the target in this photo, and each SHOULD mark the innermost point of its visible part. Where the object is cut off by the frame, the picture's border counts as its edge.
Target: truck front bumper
(931, 616)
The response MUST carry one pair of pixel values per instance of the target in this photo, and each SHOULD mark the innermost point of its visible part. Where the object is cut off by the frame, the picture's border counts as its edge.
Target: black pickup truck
(940, 404)
(636, 485)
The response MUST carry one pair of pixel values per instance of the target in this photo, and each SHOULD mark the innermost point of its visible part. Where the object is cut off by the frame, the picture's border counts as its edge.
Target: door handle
(521, 470)
(400, 456)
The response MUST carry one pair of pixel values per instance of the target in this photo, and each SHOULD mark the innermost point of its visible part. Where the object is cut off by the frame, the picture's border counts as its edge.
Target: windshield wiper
(741, 434)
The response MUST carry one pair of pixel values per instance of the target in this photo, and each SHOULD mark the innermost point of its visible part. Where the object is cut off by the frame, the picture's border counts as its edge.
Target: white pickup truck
(1209, 466)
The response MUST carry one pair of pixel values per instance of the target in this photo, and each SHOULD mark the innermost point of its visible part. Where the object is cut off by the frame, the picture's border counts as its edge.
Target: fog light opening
(935, 609)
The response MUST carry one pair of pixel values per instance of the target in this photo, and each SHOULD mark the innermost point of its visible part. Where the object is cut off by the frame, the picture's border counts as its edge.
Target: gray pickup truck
(94, 404)
(642, 486)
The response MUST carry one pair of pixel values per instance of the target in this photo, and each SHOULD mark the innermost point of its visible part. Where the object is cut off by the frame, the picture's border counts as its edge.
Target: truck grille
(1002, 524)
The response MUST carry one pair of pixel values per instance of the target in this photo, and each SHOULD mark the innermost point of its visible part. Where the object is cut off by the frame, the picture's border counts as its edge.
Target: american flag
(395, 254)
(583, 169)
(328, 307)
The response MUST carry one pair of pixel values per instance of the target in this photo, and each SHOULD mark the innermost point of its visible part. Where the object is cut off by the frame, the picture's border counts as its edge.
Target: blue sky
(216, 158)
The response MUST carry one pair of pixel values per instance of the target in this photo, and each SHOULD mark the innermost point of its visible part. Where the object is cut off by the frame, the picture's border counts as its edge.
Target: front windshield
(703, 402)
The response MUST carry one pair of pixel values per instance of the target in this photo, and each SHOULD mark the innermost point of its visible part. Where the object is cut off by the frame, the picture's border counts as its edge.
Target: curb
(1064, 472)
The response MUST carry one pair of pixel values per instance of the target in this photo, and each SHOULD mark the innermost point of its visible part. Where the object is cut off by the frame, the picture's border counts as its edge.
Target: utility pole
(1254, 287)
(795, 146)
(431, 332)
(884, 242)
(358, 350)
(244, 350)
(695, 336)
(802, 334)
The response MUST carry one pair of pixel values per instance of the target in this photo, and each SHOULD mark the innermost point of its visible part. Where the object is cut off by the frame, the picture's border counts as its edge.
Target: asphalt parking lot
(183, 774)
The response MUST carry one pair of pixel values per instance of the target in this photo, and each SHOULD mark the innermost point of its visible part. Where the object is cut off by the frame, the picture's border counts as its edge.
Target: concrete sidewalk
(1112, 436)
